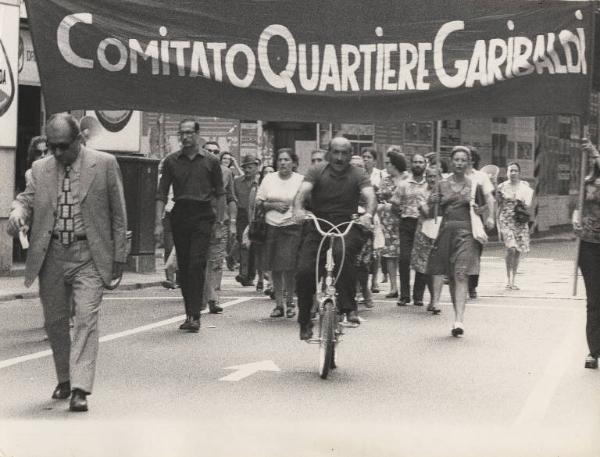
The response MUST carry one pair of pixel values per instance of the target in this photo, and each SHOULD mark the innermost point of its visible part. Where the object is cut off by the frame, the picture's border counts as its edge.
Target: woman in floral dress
(514, 233)
(390, 217)
(423, 245)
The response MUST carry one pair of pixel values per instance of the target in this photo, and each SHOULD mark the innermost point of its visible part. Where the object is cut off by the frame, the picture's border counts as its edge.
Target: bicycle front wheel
(327, 339)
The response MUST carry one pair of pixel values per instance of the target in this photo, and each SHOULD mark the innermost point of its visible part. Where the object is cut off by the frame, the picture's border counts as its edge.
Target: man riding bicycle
(334, 188)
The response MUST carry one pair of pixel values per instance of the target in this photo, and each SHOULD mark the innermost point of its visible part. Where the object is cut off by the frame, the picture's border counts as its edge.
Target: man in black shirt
(197, 180)
(335, 189)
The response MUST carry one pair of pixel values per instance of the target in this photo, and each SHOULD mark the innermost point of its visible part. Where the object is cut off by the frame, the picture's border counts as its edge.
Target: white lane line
(144, 328)
(543, 392)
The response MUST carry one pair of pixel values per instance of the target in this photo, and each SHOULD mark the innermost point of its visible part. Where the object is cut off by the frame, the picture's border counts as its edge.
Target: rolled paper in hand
(23, 239)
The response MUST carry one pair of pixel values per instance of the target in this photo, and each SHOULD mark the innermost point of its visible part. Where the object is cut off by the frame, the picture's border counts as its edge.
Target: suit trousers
(192, 224)
(305, 275)
(408, 228)
(214, 264)
(69, 278)
(589, 262)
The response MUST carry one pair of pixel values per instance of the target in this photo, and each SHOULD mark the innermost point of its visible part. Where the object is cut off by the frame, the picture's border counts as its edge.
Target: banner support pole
(579, 208)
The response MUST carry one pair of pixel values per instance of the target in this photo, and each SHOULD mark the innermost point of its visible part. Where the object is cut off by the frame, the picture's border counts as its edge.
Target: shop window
(418, 132)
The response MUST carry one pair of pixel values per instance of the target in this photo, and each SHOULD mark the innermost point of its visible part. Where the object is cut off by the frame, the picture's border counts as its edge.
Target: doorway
(29, 125)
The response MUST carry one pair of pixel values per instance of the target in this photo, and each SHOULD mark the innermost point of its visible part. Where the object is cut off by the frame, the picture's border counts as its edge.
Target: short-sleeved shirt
(410, 194)
(243, 186)
(479, 178)
(336, 194)
(272, 189)
(590, 217)
(199, 178)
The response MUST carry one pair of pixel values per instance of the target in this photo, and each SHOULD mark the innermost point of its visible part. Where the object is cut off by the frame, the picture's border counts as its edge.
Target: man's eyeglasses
(186, 132)
(211, 150)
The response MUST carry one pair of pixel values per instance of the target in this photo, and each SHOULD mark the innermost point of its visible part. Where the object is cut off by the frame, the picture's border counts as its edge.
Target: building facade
(547, 148)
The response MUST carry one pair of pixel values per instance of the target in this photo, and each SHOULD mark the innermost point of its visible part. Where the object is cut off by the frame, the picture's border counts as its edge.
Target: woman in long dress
(390, 217)
(515, 233)
(456, 254)
(423, 245)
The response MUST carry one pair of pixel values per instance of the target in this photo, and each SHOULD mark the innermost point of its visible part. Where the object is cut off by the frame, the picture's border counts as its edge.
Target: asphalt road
(246, 385)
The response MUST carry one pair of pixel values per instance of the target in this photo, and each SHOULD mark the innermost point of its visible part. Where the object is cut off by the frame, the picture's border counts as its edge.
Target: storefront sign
(28, 70)
(248, 138)
(9, 51)
(271, 60)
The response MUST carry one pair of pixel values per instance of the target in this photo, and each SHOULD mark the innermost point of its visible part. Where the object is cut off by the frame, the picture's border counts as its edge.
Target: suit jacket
(102, 210)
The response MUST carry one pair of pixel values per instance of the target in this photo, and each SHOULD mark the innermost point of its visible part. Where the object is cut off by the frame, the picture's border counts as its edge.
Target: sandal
(433, 310)
(277, 312)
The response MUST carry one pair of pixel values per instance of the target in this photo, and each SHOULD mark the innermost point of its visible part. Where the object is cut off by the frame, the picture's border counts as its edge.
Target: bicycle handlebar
(334, 231)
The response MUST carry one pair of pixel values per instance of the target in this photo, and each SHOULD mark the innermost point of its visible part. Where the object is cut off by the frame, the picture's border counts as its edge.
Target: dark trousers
(305, 274)
(247, 269)
(589, 262)
(408, 227)
(167, 235)
(192, 224)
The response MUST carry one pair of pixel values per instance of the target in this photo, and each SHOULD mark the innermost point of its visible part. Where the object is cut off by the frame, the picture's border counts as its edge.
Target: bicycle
(330, 326)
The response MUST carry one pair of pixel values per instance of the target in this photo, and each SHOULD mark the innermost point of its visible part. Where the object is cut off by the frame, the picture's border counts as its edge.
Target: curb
(30, 295)
(495, 244)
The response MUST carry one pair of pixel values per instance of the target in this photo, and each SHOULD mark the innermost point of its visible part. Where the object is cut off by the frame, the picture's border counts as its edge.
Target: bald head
(63, 135)
(339, 142)
(340, 153)
(64, 122)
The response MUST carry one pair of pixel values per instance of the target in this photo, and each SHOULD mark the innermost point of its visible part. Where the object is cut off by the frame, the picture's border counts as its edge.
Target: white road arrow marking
(248, 369)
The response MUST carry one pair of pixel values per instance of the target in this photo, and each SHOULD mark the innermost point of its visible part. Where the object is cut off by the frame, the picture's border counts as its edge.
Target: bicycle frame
(329, 323)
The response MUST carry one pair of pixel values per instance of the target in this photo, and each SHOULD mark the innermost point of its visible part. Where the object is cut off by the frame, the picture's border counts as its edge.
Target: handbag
(431, 227)
(257, 231)
(521, 214)
(477, 227)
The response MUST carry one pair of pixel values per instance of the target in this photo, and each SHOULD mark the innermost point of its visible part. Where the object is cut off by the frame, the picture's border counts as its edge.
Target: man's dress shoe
(78, 401)
(62, 391)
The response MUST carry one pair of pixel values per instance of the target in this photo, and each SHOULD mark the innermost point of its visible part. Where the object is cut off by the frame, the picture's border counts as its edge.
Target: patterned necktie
(65, 211)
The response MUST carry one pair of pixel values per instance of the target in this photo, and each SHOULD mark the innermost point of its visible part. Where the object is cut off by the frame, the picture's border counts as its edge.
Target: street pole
(584, 131)
(582, 134)
(438, 165)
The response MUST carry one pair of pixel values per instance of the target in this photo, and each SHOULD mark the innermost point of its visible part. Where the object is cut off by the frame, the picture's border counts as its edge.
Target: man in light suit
(78, 245)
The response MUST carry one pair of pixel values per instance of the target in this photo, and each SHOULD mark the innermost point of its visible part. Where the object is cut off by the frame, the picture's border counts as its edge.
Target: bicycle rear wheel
(327, 339)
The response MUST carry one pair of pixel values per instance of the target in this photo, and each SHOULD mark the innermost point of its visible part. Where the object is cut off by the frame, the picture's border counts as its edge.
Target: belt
(55, 236)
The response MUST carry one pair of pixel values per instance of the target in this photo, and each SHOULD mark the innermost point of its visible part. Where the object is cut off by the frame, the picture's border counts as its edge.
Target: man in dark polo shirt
(335, 189)
(197, 180)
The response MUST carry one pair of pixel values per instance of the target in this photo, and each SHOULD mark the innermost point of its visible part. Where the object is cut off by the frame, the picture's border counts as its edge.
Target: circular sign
(114, 121)
(7, 81)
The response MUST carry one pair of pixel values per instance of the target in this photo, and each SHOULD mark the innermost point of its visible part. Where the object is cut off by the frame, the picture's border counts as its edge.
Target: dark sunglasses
(61, 146)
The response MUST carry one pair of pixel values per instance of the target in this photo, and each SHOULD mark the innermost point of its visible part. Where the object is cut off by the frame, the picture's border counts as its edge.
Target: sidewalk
(12, 288)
